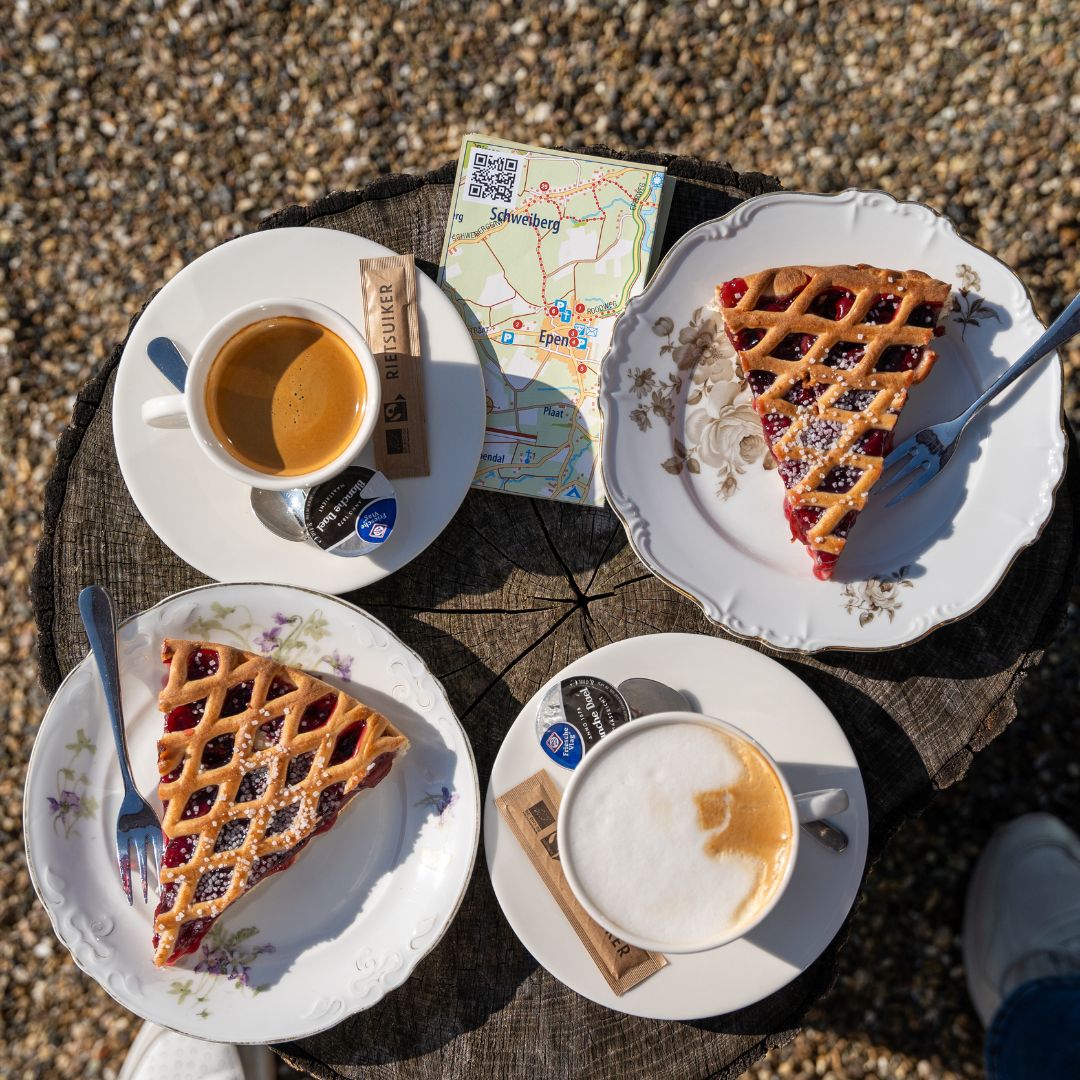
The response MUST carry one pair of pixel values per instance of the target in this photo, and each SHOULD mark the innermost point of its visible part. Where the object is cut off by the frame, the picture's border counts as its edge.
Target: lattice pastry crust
(830, 352)
(249, 740)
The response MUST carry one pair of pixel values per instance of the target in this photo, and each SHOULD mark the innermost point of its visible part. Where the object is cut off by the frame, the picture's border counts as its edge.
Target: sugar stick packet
(532, 811)
(392, 330)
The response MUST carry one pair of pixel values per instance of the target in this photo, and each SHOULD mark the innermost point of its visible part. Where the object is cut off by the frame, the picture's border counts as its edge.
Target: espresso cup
(652, 843)
(190, 409)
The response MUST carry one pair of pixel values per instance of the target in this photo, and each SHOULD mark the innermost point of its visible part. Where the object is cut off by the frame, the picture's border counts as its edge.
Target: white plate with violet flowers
(687, 468)
(361, 906)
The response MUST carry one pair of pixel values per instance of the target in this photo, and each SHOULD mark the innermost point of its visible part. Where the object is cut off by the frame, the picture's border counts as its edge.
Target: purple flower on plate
(227, 955)
(69, 803)
(440, 801)
(342, 665)
(267, 641)
(282, 620)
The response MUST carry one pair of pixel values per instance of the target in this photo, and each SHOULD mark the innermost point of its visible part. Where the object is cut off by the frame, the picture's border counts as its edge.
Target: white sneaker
(1022, 916)
(159, 1054)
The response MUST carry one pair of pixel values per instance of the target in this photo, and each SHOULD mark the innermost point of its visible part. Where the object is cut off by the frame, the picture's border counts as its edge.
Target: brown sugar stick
(532, 811)
(392, 329)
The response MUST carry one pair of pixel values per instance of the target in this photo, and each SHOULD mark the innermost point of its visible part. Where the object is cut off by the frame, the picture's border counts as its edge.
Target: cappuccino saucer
(205, 516)
(724, 680)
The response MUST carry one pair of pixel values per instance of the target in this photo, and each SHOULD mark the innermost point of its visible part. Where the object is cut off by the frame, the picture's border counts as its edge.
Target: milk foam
(641, 852)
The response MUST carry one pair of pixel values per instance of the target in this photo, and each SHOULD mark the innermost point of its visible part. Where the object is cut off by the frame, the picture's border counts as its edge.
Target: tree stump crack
(501, 674)
(579, 596)
(422, 610)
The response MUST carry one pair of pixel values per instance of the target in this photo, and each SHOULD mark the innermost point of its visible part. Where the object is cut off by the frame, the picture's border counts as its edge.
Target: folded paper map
(543, 249)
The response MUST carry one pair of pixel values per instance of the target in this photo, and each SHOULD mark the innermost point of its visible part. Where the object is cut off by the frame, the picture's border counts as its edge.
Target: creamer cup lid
(352, 514)
(575, 714)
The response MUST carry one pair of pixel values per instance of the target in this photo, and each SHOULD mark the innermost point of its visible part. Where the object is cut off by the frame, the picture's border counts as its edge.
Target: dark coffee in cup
(285, 396)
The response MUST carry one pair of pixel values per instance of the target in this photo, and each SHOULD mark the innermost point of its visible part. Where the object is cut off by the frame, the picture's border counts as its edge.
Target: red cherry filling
(774, 425)
(794, 347)
(282, 819)
(802, 520)
(200, 802)
(213, 884)
(924, 315)
(173, 774)
(377, 773)
(820, 434)
(804, 394)
(317, 713)
(791, 472)
(179, 850)
(202, 664)
(252, 786)
(191, 933)
(279, 687)
(347, 743)
(844, 355)
(760, 381)
(184, 717)
(900, 358)
(299, 767)
(884, 309)
(238, 698)
(269, 733)
(746, 339)
(874, 443)
(842, 478)
(268, 864)
(218, 751)
(854, 400)
(331, 800)
(731, 292)
(232, 834)
(833, 304)
(167, 897)
(779, 303)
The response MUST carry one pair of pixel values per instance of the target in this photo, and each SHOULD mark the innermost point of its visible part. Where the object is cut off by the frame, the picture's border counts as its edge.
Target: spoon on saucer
(645, 696)
(281, 512)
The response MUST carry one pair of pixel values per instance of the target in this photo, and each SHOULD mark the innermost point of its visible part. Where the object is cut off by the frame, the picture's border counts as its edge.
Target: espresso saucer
(203, 515)
(763, 698)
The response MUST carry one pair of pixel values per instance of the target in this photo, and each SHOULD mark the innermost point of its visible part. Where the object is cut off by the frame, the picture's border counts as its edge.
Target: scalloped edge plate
(331, 937)
(685, 465)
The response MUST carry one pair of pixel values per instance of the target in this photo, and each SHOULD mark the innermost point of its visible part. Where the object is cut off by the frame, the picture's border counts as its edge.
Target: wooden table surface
(511, 592)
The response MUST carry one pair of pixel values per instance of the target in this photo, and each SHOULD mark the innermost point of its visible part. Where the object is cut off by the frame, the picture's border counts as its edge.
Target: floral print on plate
(289, 639)
(721, 428)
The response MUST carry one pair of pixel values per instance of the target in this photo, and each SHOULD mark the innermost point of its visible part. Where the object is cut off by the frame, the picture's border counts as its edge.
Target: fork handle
(99, 619)
(1065, 326)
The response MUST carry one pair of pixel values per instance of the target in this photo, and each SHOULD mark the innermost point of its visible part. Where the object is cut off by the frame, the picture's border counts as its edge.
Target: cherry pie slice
(256, 759)
(829, 352)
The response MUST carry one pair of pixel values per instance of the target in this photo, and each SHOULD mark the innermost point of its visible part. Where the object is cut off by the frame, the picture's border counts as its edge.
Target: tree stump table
(512, 591)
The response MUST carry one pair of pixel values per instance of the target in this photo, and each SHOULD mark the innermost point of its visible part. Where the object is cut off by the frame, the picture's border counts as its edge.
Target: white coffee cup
(806, 807)
(189, 408)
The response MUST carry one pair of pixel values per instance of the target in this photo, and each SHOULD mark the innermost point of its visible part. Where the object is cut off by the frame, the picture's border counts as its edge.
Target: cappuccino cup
(280, 393)
(678, 833)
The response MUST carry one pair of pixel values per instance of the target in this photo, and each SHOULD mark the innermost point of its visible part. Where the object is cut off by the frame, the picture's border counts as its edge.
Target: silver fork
(928, 451)
(137, 823)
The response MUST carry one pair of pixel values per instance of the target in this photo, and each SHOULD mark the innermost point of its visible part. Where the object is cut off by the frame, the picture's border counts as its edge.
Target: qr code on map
(493, 178)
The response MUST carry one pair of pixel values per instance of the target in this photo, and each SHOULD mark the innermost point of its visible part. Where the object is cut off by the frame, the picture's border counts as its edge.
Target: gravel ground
(137, 135)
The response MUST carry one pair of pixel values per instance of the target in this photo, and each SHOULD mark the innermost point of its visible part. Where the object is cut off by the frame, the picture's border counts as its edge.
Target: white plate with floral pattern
(360, 908)
(687, 469)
